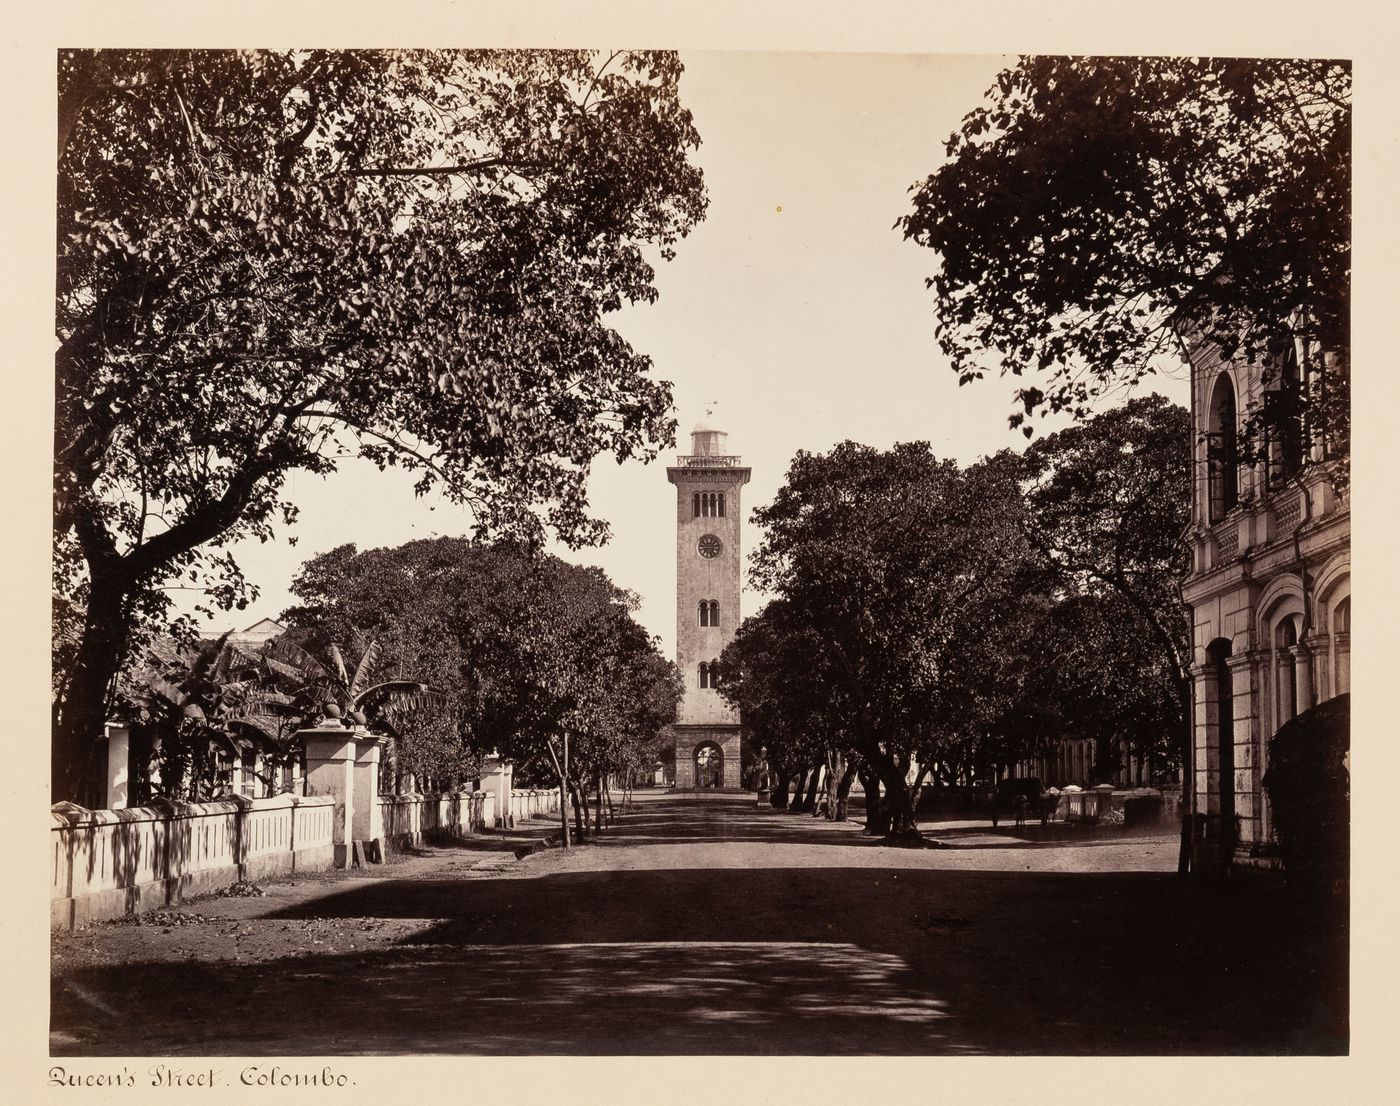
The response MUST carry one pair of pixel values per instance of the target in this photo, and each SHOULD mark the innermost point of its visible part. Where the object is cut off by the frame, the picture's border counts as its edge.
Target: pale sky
(795, 305)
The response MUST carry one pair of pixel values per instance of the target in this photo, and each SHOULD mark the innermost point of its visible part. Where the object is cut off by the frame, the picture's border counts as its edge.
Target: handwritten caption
(168, 1075)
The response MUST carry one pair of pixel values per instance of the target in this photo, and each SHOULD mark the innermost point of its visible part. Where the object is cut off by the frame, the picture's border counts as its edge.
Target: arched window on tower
(709, 612)
(696, 501)
(704, 674)
(714, 673)
(721, 504)
(1222, 449)
(714, 612)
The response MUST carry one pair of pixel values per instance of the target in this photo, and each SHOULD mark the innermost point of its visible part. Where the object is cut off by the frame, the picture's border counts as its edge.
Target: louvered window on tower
(707, 505)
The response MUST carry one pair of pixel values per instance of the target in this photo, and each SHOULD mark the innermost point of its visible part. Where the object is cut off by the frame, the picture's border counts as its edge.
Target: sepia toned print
(1004, 521)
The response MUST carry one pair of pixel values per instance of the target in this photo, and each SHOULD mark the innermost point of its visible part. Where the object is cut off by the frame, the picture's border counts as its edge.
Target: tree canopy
(526, 649)
(882, 557)
(947, 623)
(1095, 215)
(269, 260)
(1109, 502)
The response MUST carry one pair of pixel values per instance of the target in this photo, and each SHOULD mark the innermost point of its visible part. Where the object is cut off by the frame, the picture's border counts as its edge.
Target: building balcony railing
(709, 460)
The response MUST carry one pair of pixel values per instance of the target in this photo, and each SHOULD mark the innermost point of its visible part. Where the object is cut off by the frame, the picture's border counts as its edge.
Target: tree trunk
(796, 805)
(843, 791)
(580, 805)
(598, 806)
(917, 789)
(877, 822)
(778, 800)
(80, 713)
(810, 802)
(835, 763)
(898, 804)
(563, 793)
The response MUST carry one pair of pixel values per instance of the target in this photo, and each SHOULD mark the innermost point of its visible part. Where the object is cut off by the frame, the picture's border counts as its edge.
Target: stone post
(344, 763)
(496, 774)
(367, 824)
(118, 766)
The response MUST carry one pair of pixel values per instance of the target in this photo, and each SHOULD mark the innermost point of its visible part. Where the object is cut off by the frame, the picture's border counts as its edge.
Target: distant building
(258, 633)
(708, 562)
(1269, 589)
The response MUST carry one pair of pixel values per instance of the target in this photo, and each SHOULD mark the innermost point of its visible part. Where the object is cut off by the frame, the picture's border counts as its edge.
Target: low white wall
(409, 819)
(107, 863)
(532, 803)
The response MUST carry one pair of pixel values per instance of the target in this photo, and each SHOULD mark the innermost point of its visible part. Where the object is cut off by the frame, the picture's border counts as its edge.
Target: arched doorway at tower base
(708, 759)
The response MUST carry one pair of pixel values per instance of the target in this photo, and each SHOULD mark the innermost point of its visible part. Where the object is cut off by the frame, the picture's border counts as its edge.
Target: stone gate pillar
(496, 777)
(118, 766)
(344, 763)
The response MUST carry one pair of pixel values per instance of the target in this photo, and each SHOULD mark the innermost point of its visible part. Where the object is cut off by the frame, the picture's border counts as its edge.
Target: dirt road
(706, 925)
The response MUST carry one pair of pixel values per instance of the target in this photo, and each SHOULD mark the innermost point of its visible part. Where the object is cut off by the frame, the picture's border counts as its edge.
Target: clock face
(709, 546)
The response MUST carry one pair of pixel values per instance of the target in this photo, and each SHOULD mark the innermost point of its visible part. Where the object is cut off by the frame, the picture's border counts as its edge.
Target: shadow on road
(725, 818)
(854, 960)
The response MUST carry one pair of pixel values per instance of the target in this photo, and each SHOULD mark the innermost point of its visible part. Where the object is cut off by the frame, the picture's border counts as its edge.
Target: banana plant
(330, 690)
(183, 701)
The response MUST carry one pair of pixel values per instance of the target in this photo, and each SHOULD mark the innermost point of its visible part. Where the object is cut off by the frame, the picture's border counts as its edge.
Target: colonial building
(708, 481)
(1269, 589)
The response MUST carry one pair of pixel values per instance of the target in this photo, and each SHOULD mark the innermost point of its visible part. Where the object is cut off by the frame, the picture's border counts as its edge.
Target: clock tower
(708, 480)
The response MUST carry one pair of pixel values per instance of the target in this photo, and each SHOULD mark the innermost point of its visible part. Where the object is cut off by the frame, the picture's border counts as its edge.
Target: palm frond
(164, 689)
(364, 669)
(403, 694)
(206, 659)
(304, 662)
(282, 668)
(339, 665)
(268, 726)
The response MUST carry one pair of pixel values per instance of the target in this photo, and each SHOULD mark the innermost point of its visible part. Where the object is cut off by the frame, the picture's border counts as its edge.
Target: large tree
(1109, 502)
(777, 674)
(267, 260)
(537, 659)
(1097, 216)
(884, 557)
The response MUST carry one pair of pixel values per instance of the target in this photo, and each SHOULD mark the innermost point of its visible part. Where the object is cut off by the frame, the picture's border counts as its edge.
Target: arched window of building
(704, 613)
(1222, 449)
(1287, 669)
(1220, 745)
(696, 501)
(720, 497)
(714, 612)
(1341, 647)
(714, 673)
(1283, 411)
(704, 674)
